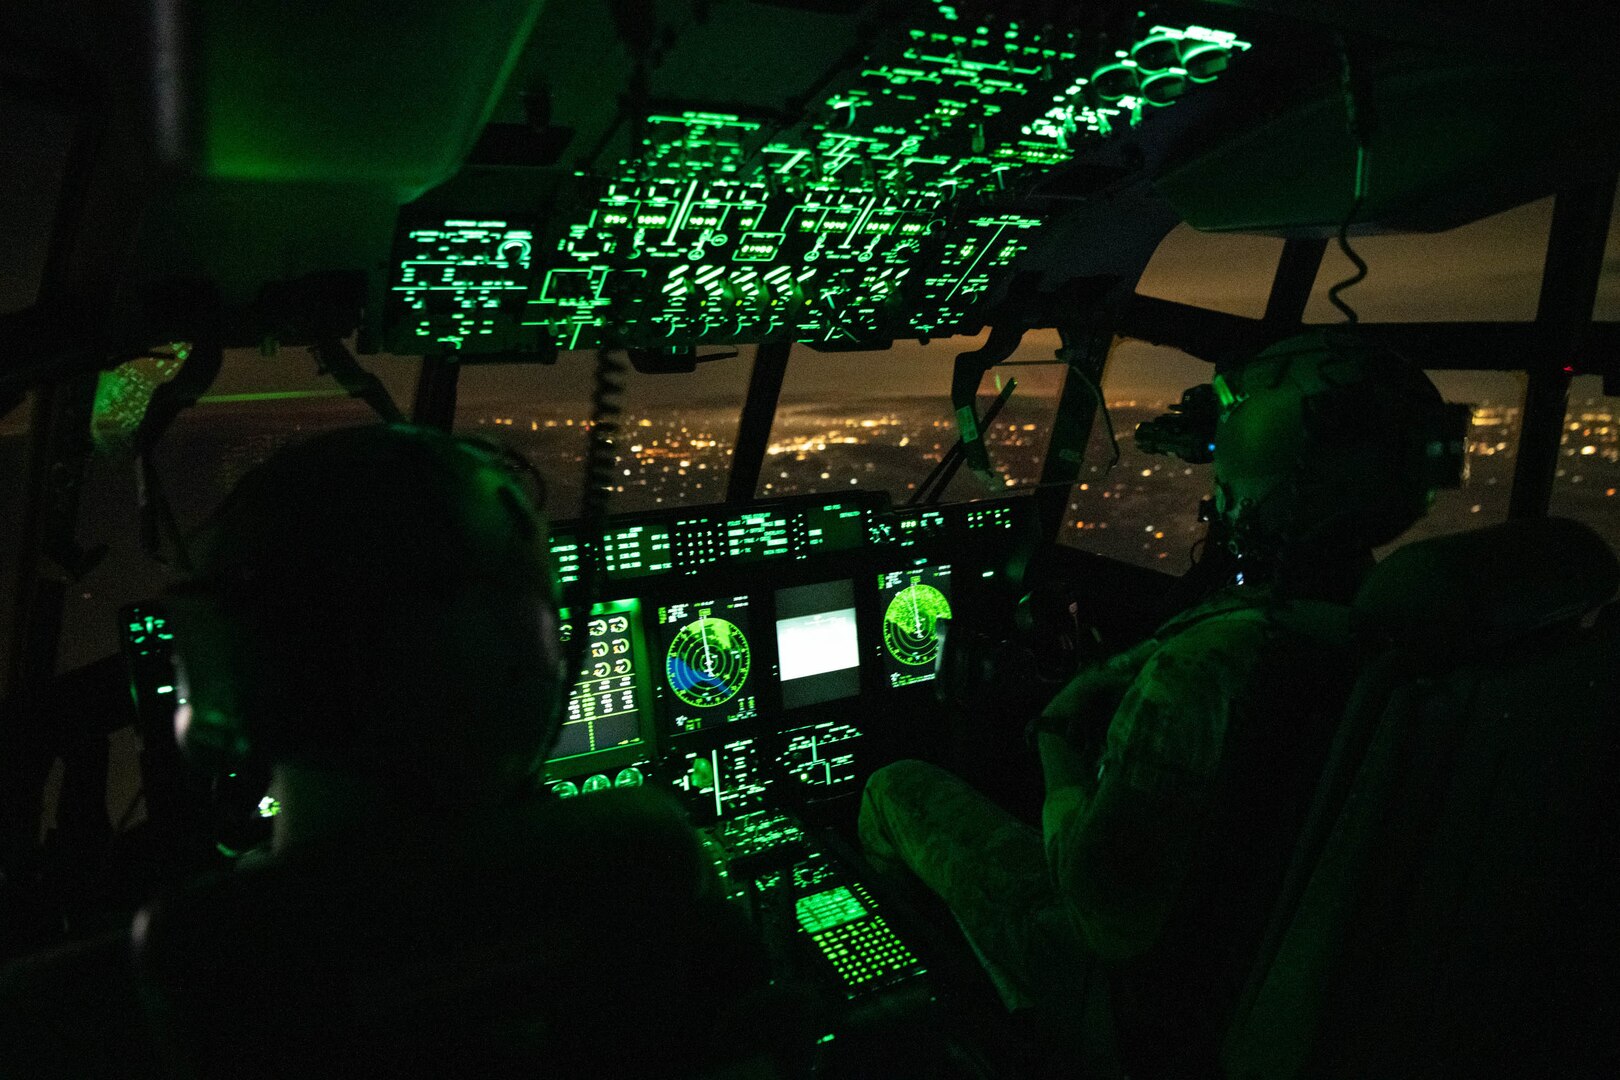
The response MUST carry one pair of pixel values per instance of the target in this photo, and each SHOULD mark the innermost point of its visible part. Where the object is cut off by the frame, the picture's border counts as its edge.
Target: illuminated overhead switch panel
(898, 204)
(461, 284)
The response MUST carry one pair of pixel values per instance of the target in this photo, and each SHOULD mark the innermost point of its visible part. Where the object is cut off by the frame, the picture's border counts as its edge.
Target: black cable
(601, 459)
(1358, 118)
(1349, 252)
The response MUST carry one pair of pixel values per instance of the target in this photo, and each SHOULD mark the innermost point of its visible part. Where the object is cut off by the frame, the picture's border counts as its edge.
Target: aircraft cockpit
(850, 342)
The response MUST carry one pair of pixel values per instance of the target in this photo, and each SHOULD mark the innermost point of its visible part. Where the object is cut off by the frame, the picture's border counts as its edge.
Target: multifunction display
(725, 780)
(817, 642)
(605, 705)
(708, 662)
(913, 602)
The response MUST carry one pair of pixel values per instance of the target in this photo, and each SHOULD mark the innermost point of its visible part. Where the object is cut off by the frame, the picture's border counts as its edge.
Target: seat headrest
(1488, 586)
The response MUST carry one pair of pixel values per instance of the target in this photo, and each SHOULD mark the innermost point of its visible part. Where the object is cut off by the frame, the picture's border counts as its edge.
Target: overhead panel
(897, 205)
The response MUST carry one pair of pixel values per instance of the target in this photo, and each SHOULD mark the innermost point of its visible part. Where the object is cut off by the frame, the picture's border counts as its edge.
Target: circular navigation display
(909, 629)
(708, 662)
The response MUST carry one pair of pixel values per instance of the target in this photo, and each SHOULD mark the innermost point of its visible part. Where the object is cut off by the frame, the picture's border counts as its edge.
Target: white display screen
(817, 642)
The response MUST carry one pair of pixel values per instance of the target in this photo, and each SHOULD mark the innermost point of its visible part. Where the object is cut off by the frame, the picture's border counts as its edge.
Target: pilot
(374, 619)
(1178, 773)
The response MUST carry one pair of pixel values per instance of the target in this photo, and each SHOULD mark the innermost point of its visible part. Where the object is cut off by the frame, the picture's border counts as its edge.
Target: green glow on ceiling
(895, 207)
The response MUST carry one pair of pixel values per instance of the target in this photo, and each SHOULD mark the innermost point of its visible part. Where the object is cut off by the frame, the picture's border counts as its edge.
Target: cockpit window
(256, 405)
(882, 420)
(1586, 485)
(1230, 272)
(1144, 509)
(1497, 400)
(677, 430)
(1488, 270)
(1606, 305)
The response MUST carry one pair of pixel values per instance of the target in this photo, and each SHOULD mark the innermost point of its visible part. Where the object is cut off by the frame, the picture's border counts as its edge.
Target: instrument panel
(746, 658)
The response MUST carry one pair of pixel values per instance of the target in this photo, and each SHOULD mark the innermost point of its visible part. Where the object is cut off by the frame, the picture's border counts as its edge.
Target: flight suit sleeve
(1119, 844)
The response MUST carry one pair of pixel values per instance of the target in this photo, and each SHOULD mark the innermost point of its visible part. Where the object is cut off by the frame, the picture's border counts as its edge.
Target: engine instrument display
(913, 602)
(708, 663)
(606, 705)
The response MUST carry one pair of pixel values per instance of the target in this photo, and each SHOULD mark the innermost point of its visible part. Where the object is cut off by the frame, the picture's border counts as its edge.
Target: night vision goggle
(1187, 431)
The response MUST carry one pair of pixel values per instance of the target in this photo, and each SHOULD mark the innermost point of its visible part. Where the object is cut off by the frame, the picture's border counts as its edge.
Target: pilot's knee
(894, 795)
(900, 783)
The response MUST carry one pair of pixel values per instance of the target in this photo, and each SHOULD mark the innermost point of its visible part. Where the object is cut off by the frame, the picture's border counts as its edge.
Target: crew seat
(1451, 909)
(564, 952)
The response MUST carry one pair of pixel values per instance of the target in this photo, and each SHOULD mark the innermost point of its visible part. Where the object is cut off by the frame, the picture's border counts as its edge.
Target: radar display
(708, 664)
(914, 601)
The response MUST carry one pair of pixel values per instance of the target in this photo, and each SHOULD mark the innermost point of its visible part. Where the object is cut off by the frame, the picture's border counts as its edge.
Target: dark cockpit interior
(707, 254)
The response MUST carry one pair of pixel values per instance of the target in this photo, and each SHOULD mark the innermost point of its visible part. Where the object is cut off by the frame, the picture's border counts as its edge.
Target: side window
(1497, 401)
(1488, 271)
(1586, 486)
(1144, 509)
(1229, 272)
(256, 405)
(677, 431)
(883, 420)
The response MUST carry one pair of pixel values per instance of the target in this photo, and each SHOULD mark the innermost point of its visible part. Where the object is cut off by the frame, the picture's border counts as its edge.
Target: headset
(238, 630)
(1359, 403)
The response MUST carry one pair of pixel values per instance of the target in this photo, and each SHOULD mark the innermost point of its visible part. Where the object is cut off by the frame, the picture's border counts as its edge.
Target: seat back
(1449, 907)
(423, 960)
